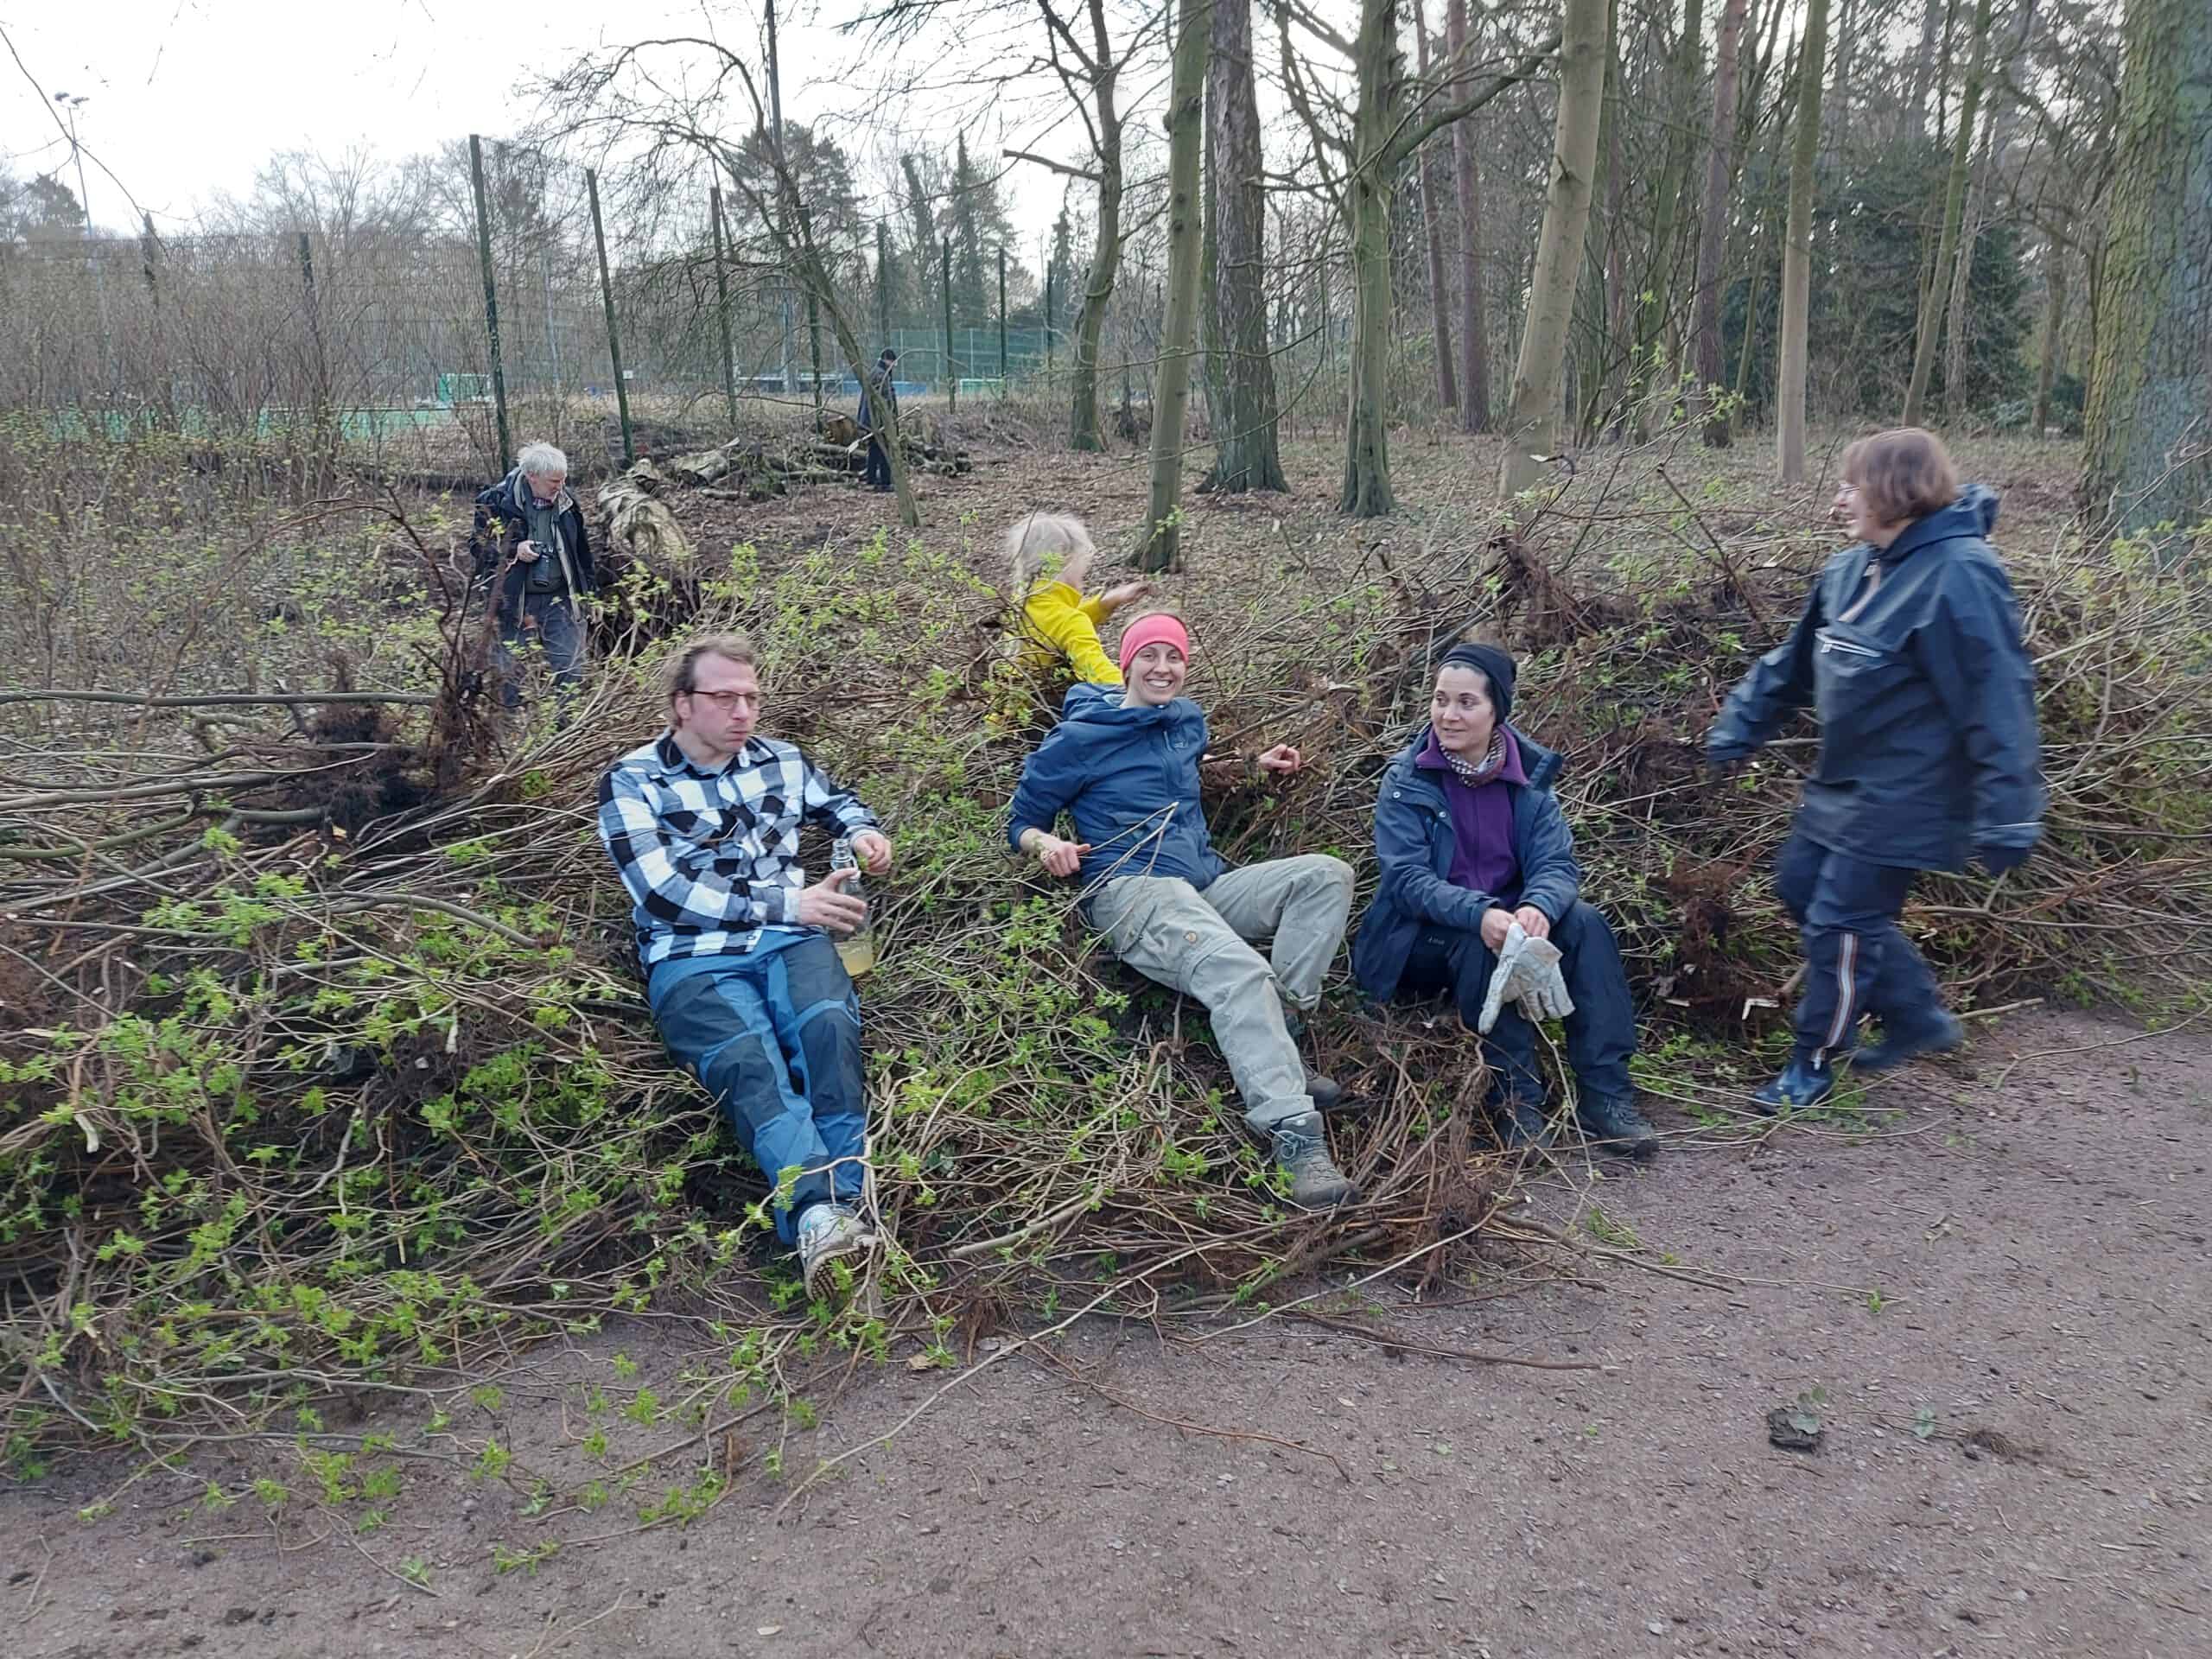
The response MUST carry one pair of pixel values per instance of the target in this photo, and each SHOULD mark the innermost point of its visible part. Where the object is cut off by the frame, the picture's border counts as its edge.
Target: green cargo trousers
(1200, 944)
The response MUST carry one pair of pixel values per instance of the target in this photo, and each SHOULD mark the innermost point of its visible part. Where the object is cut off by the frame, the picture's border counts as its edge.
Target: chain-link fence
(375, 330)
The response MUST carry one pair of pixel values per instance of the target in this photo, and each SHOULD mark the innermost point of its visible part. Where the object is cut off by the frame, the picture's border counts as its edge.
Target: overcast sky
(187, 98)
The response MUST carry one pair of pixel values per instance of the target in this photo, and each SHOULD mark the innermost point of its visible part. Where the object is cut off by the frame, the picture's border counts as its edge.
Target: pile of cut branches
(322, 1067)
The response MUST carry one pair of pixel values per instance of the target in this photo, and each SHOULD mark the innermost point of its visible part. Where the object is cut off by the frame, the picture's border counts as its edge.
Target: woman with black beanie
(1478, 869)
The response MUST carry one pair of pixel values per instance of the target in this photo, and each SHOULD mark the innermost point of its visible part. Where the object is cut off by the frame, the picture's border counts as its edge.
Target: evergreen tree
(921, 297)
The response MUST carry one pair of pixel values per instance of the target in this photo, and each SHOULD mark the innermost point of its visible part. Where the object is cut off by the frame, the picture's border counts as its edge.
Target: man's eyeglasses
(725, 701)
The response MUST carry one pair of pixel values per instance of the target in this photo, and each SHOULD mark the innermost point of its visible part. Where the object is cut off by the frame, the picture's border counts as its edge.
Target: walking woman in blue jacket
(1123, 765)
(1909, 653)
(1470, 845)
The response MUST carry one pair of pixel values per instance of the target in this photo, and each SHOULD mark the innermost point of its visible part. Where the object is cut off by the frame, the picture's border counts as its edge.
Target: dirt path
(2021, 1271)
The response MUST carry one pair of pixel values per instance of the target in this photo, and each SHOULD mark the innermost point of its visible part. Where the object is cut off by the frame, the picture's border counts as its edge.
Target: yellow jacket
(1059, 625)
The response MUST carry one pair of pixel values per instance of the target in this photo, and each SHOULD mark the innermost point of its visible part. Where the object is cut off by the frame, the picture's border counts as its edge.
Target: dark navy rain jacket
(1924, 693)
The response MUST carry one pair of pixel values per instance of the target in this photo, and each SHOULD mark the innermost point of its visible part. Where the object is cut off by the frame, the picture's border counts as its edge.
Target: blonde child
(1050, 557)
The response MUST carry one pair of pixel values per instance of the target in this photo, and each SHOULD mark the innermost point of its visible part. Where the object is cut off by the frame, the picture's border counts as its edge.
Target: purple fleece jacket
(1483, 860)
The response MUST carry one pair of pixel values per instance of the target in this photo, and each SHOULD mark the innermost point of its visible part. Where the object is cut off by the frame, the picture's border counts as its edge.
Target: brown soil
(2021, 1254)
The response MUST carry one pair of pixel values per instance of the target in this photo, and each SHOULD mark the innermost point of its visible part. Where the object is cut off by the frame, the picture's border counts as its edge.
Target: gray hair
(1030, 543)
(541, 460)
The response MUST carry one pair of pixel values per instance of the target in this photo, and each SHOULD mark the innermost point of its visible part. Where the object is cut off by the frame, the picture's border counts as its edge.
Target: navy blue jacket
(1926, 700)
(1128, 775)
(1414, 844)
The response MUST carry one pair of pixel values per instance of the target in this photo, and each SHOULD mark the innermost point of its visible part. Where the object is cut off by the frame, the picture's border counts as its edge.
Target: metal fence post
(491, 301)
(1001, 321)
(1048, 319)
(951, 373)
(813, 313)
(614, 339)
(721, 309)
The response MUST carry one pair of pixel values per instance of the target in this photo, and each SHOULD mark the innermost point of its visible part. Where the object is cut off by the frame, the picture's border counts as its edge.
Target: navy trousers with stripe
(775, 1036)
(1858, 960)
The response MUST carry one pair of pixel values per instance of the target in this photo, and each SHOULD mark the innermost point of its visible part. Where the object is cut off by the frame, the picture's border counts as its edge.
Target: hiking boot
(827, 1231)
(1621, 1126)
(1302, 1151)
(1521, 1124)
(1903, 1043)
(1801, 1084)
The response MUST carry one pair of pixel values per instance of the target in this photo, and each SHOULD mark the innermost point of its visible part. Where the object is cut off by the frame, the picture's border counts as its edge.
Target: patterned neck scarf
(1493, 762)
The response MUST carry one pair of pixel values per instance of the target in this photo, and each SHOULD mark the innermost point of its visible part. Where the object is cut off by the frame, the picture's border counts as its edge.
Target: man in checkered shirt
(703, 823)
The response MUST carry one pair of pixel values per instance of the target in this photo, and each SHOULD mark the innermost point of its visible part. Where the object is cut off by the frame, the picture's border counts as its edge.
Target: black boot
(1326, 1094)
(1621, 1126)
(1521, 1124)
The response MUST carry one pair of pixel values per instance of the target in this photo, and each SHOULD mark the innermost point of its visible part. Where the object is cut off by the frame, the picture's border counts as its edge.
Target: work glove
(1544, 987)
(1998, 860)
(1527, 973)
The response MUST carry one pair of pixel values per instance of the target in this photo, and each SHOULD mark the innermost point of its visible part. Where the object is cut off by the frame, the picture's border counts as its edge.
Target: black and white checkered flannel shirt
(710, 858)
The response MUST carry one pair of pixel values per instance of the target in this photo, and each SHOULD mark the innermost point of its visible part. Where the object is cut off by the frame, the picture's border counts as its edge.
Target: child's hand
(1126, 594)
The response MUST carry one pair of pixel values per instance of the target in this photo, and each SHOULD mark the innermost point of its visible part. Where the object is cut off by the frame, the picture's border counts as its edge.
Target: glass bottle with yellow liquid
(856, 950)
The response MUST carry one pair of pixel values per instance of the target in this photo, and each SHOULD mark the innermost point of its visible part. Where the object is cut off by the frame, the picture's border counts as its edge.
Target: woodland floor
(2003, 1293)
(2034, 1225)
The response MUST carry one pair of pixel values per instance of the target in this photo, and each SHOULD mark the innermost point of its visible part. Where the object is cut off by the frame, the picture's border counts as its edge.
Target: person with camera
(534, 556)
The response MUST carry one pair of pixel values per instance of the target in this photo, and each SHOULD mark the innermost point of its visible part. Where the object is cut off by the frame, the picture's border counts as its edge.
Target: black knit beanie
(1494, 664)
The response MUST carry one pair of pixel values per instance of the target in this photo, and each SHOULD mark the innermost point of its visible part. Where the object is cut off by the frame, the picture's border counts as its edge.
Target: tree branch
(1083, 173)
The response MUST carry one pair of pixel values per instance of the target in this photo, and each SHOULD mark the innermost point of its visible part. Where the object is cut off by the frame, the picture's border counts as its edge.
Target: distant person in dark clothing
(881, 392)
(1909, 652)
(531, 551)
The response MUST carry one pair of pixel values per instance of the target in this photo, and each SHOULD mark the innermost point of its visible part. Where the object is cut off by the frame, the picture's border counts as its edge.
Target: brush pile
(322, 1066)
(757, 469)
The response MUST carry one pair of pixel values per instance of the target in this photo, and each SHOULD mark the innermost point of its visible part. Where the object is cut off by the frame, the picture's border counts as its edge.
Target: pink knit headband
(1151, 631)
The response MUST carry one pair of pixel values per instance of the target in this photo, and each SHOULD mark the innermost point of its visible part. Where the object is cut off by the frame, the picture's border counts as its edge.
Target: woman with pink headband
(1123, 765)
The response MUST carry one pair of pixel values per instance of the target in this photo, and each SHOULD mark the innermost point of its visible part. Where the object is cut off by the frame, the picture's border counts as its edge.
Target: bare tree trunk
(1367, 492)
(1798, 250)
(1660, 263)
(1596, 373)
(1955, 330)
(2147, 455)
(1712, 238)
(1474, 343)
(1447, 386)
(1172, 394)
(2054, 322)
(1955, 195)
(1837, 125)
(1532, 424)
(1932, 13)
(1246, 455)
(1106, 250)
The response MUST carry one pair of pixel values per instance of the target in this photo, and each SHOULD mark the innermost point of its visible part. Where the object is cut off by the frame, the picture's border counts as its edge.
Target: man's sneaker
(1801, 1084)
(1302, 1151)
(1621, 1126)
(1899, 1045)
(827, 1231)
(1521, 1124)
(1326, 1094)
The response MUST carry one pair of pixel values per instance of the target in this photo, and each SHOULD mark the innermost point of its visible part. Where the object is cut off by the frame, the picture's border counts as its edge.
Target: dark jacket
(879, 390)
(500, 524)
(1926, 700)
(1414, 844)
(1128, 775)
